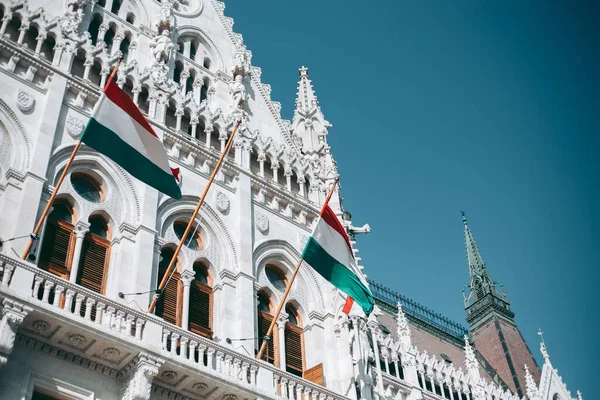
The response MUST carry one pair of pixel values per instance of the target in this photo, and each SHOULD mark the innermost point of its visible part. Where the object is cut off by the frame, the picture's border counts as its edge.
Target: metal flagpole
(192, 219)
(40, 222)
(291, 282)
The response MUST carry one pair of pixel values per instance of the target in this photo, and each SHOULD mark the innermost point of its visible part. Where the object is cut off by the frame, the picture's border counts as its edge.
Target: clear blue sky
(490, 107)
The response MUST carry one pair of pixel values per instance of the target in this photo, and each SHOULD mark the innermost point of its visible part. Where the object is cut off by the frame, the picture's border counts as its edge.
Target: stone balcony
(71, 322)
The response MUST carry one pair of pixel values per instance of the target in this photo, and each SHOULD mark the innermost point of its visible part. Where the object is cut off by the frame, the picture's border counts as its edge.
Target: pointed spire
(470, 360)
(532, 390)
(403, 333)
(481, 282)
(543, 349)
(308, 122)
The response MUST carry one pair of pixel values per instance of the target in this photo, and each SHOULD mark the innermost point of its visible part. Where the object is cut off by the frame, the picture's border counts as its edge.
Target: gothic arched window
(294, 351)
(12, 30)
(201, 301)
(116, 6)
(31, 37)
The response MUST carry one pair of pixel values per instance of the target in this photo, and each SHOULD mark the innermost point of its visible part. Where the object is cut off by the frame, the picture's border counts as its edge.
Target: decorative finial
(579, 396)
(543, 349)
(303, 71)
(532, 390)
(464, 218)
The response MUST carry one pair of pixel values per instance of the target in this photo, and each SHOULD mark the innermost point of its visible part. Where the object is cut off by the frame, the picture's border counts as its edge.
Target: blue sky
(440, 106)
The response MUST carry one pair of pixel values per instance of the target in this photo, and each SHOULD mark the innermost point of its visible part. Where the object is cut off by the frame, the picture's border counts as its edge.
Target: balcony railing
(46, 292)
(418, 311)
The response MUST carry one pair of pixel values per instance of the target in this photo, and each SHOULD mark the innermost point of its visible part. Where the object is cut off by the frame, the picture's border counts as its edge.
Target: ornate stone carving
(137, 382)
(162, 46)
(40, 326)
(76, 340)
(199, 388)
(237, 90)
(240, 61)
(222, 202)
(12, 314)
(25, 101)
(168, 376)
(74, 126)
(229, 397)
(111, 353)
(262, 223)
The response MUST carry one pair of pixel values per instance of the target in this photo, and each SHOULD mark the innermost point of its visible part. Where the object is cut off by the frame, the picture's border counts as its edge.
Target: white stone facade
(192, 76)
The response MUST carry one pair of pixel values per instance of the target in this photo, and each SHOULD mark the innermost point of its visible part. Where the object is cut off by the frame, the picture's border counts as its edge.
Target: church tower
(493, 328)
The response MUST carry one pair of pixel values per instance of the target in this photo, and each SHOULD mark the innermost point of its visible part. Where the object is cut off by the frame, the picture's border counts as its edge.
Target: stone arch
(15, 147)
(306, 290)
(204, 40)
(219, 248)
(120, 202)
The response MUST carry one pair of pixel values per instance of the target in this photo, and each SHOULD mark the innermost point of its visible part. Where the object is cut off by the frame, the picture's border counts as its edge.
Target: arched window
(204, 89)
(264, 320)
(86, 187)
(101, 3)
(94, 28)
(130, 18)
(116, 6)
(128, 87)
(170, 118)
(177, 71)
(12, 30)
(294, 351)
(168, 306)
(124, 47)
(206, 63)
(93, 265)
(109, 36)
(95, 72)
(143, 102)
(58, 241)
(47, 50)
(276, 277)
(31, 37)
(201, 301)
(193, 49)
(77, 66)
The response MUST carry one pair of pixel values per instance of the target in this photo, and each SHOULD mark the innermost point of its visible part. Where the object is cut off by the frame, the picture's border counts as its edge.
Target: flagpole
(192, 219)
(40, 222)
(291, 281)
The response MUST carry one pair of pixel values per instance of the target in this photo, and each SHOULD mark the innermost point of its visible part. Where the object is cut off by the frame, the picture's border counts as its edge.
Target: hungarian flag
(328, 251)
(118, 130)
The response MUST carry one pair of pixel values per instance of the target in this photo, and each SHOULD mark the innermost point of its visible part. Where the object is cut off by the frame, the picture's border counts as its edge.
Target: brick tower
(493, 329)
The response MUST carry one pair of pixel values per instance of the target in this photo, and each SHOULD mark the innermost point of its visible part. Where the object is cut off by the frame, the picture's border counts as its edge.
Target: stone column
(288, 178)
(137, 383)
(102, 31)
(282, 319)
(81, 229)
(116, 45)
(12, 316)
(275, 167)
(40, 41)
(186, 278)
(262, 157)
(183, 80)
(373, 328)
(301, 183)
(5, 21)
(22, 32)
(197, 89)
(208, 132)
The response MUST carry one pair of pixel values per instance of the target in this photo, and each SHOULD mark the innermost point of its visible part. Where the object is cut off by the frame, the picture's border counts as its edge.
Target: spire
(470, 360)
(483, 290)
(532, 390)
(481, 282)
(403, 330)
(543, 349)
(308, 122)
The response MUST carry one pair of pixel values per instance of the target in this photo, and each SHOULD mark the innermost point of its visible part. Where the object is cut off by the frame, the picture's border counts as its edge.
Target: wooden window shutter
(264, 320)
(167, 306)
(93, 263)
(200, 312)
(294, 357)
(56, 252)
(315, 375)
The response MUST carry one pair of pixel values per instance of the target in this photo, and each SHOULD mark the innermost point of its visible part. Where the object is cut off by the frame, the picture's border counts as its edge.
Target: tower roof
(482, 287)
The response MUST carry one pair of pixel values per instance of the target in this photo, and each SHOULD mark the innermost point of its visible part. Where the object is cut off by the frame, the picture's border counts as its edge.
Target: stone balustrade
(47, 291)
(75, 300)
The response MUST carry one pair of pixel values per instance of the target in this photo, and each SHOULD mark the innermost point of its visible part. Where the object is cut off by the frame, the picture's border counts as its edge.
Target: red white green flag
(118, 130)
(329, 252)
